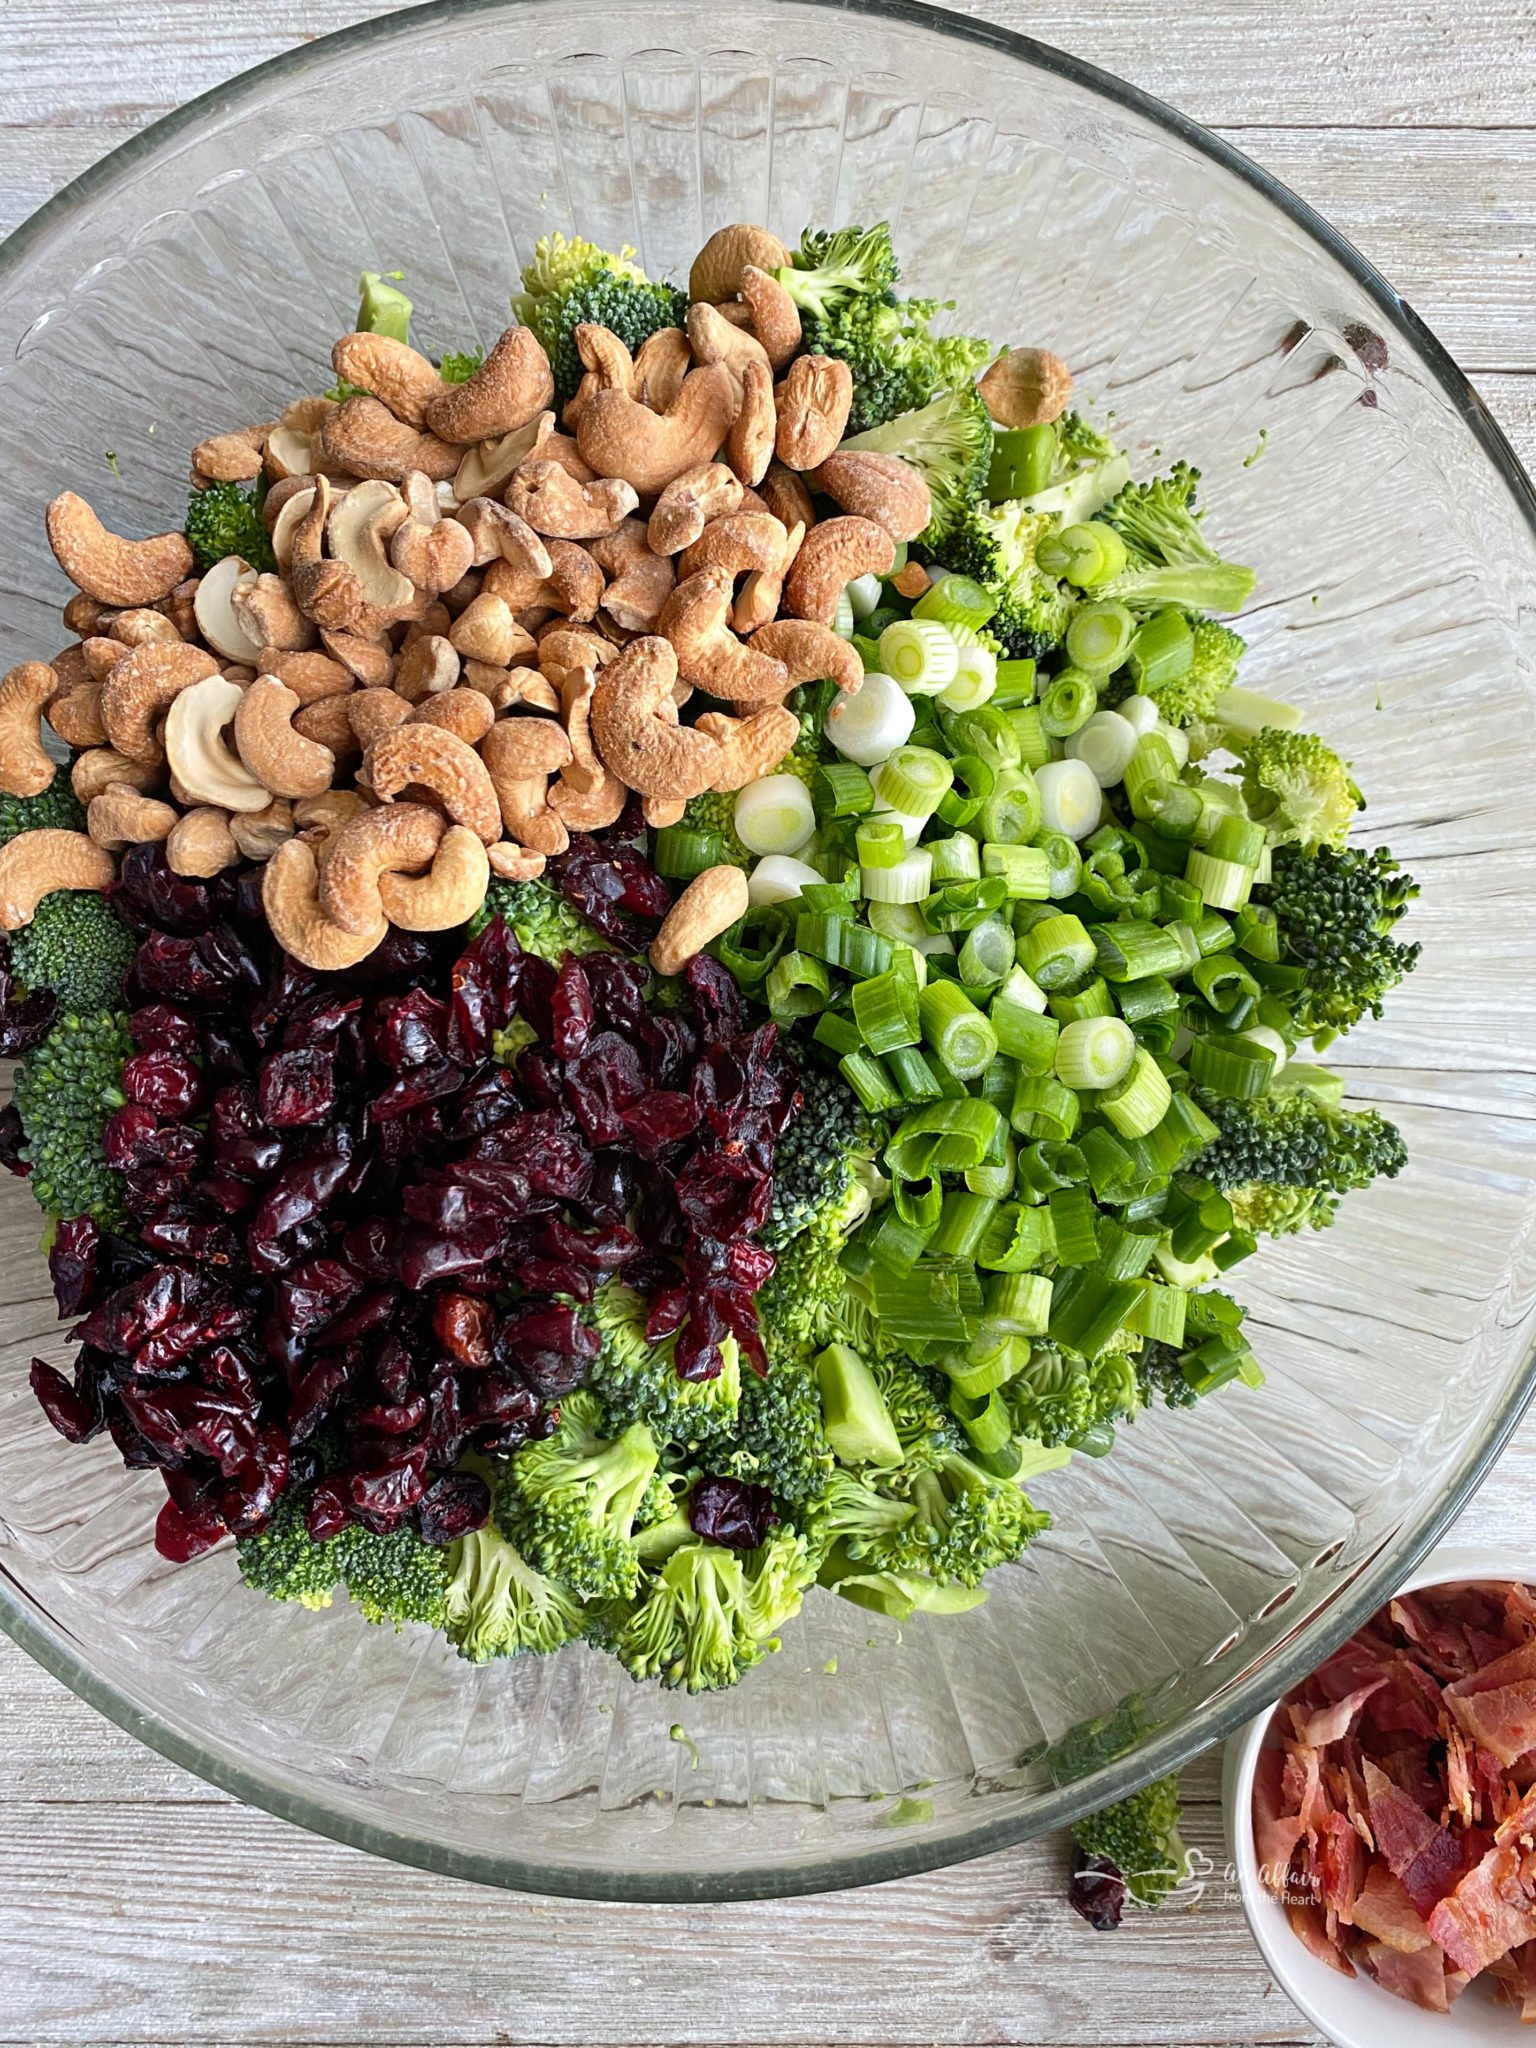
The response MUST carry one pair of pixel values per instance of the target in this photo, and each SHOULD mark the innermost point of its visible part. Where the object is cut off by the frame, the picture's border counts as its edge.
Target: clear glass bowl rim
(1373, 1582)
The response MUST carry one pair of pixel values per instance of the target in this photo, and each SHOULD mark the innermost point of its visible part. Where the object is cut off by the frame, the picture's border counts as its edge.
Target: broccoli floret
(569, 283)
(995, 544)
(76, 945)
(495, 1603)
(813, 1161)
(1060, 1398)
(639, 1383)
(1140, 1836)
(57, 808)
(395, 1578)
(1171, 561)
(898, 365)
(459, 365)
(708, 1614)
(569, 1501)
(542, 921)
(1286, 1159)
(872, 1524)
(1298, 789)
(66, 1088)
(950, 442)
(967, 1521)
(225, 519)
(286, 1563)
(1191, 699)
(1336, 911)
(917, 1403)
(835, 265)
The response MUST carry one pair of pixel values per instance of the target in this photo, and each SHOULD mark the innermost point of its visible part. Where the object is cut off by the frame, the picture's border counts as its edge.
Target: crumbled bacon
(1394, 1808)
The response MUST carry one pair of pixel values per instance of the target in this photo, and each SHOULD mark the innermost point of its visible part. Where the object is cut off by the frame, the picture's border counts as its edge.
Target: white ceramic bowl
(1354, 2012)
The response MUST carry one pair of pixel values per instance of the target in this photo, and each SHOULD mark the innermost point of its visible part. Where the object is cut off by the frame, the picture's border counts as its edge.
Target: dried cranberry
(74, 1264)
(661, 1119)
(181, 1535)
(325, 1018)
(416, 1086)
(409, 1030)
(717, 1000)
(159, 1027)
(76, 1420)
(12, 1137)
(297, 1087)
(601, 1083)
(485, 984)
(1097, 1892)
(423, 1255)
(330, 1510)
(463, 1324)
(210, 1244)
(452, 1507)
(26, 1021)
(397, 1418)
(388, 1493)
(166, 1082)
(571, 1010)
(730, 1511)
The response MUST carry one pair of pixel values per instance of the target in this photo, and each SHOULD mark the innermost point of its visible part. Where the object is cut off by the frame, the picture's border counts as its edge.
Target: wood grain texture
(141, 1907)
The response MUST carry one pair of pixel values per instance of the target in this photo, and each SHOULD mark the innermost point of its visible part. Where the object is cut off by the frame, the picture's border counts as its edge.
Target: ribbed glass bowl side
(195, 281)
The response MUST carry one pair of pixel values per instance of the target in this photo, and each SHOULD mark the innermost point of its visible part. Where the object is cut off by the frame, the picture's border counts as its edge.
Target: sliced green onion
(1066, 863)
(1162, 651)
(1019, 1303)
(845, 789)
(1228, 987)
(843, 620)
(1137, 1104)
(1105, 743)
(1015, 684)
(1099, 636)
(956, 601)
(1025, 869)
(1223, 884)
(833, 899)
(1087, 554)
(1246, 712)
(1133, 949)
(1124, 1254)
(837, 1034)
(1093, 999)
(1023, 1033)
(779, 879)
(1049, 1164)
(961, 906)
(1034, 742)
(957, 859)
(1178, 901)
(1070, 798)
(842, 943)
(1016, 1239)
(1229, 1065)
(895, 1243)
(680, 853)
(1068, 701)
(919, 1201)
(1152, 996)
(1011, 815)
(996, 1180)
(798, 986)
(872, 723)
(1023, 459)
(1088, 1311)
(920, 655)
(1237, 839)
(1150, 769)
(946, 1137)
(973, 780)
(912, 1074)
(752, 945)
(1159, 1313)
(1094, 1052)
(962, 1224)
(912, 779)
(1141, 712)
(1114, 1173)
(1075, 1226)
(903, 923)
(1058, 950)
(864, 595)
(1044, 1107)
(975, 679)
(988, 733)
(774, 815)
(1265, 1036)
(986, 955)
(939, 1305)
(959, 1034)
(1257, 932)
(885, 1010)
(880, 843)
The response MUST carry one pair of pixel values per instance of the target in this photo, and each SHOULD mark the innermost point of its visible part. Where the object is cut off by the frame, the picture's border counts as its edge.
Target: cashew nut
(621, 437)
(489, 467)
(98, 767)
(720, 266)
(714, 339)
(832, 554)
(201, 758)
(290, 898)
(121, 817)
(308, 674)
(227, 459)
(635, 726)
(363, 436)
(294, 509)
(357, 532)
(329, 721)
(573, 587)
(739, 542)
(1026, 387)
(392, 838)
(709, 905)
(521, 754)
(33, 864)
(511, 387)
(425, 667)
(809, 652)
(376, 712)
(514, 863)
(201, 844)
(500, 535)
(750, 444)
(751, 747)
(451, 890)
(663, 362)
(431, 551)
(259, 834)
(814, 402)
(440, 763)
(85, 615)
(26, 767)
(281, 759)
(105, 566)
(879, 487)
(371, 663)
(709, 656)
(609, 367)
(266, 614)
(213, 608)
(689, 503)
(134, 627)
(775, 316)
(587, 797)
(504, 689)
(553, 503)
(785, 495)
(143, 685)
(757, 601)
(469, 713)
(640, 581)
(329, 811)
(100, 655)
(392, 370)
(487, 632)
(562, 448)
(326, 591)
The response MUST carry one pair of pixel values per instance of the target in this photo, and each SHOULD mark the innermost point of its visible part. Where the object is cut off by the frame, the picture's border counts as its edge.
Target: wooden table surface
(139, 1906)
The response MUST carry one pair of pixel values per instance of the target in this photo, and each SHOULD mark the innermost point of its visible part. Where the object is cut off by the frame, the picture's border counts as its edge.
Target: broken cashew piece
(144, 686)
(282, 760)
(34, 864)
(514, 863)
(879, 487)
(358, 532)
(393, 838)
(214, 609)
(640, 581)
(554, 504)
(689, 503)
(431, 552)
(198, 749)
(201, 844)
(451, 890)
(1026, 387)
(440, 763)
(122, 817)
(259, 834)
(489, 466)
(750, 444)
(290, 898)
(710, 905)
(814, 402)
(363, 436)
(26, 766)
(511, 388)
(391, 370)
(266, 613)
(114, 571)
(720, 266)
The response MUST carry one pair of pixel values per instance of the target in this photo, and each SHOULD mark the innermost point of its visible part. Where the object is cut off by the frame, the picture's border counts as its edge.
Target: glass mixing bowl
(195, 279)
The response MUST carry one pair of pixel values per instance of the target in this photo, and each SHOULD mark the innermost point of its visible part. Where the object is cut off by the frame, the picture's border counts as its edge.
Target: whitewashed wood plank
(1308, 63)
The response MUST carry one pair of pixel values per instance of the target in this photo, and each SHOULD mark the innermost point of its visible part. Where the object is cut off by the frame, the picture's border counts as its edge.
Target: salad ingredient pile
(631, 1010)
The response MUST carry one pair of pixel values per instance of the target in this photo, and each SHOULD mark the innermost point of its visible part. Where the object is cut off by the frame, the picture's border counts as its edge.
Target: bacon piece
(1425, 1858)
(1385, 1910)
(1418, 1977)
(1502, 1720)
(1275, 1833)
(1514, 1668)
(1487, 1915)
(1333, 1723)
(1519, 1824)
(1516, 1974)
(1310, 1927)
(1341, 1865)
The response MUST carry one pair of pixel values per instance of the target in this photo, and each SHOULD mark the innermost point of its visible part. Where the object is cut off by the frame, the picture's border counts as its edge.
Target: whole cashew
(832, 554)
(469, 713)
(267, 613)
(814, 402)
(394, 837)
(785, 495)
(740, 542)
(1026, 387)
(431, 551)
(142, 687)
(879, 487)
(143, 623)
(512, 387)
(259, 834)
(751, 747)
(201, 844)
(636, 731)
(451, 890)
(587, 797)
(714, 339)
(553, 503)
(514, 863)
(574, 586)
(307, 674)
(521, 755)
(227, 459)
(392, 370)
(329, 721)
(105, 566)
(709, 905)
(750, 444)
(280, 758)
(327, 592)
(609, 367)
(364, 437)
(98, 767)
(689, 503)
(720, 266)
(809, 652)
(328, 812)
(376, 712)
(121, 817)
(290, 898)
(775, 316)
(33, 864)
(441, 763)
(204, 765)
(709, 656)
(26, 767)
(663, 362)
(621, 437)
